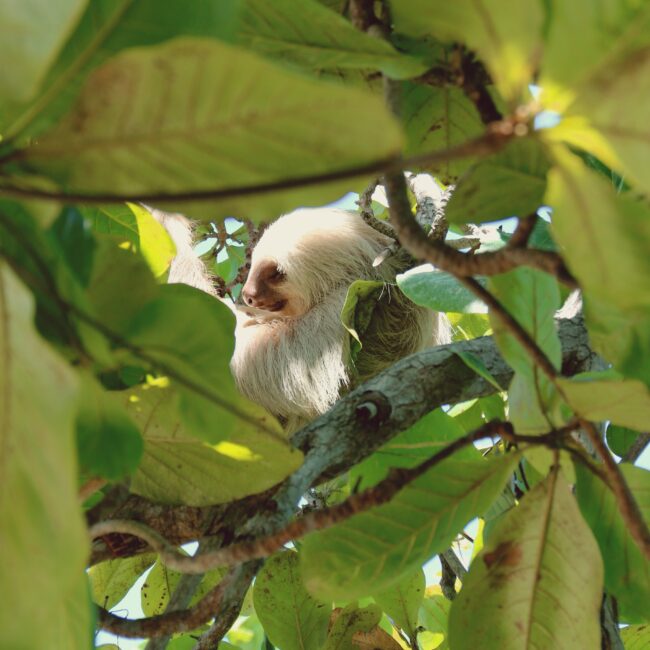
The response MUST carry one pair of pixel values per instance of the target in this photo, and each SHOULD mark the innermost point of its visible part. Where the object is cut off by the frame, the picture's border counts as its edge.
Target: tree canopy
(506, 147)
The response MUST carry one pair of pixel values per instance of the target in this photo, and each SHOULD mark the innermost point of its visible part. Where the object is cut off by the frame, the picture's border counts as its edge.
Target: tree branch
(342, 437)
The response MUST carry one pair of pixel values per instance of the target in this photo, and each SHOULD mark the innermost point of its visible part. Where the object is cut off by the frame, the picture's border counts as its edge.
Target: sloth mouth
(258, 314)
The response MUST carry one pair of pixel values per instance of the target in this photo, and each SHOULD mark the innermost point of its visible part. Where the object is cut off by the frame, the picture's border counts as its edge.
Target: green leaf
(437, 118)
(195, 353)
(316, 38)
(588, 35)
(120, 283)
(440, 291)
(44, 543)
(356, 314)
(541, 565)
(30, 36)
(161, 583)
(613, 104)
(259, 132)
(402, 601)
(465, 327)
(506, 35)
(349, 624)
(531, 297)
(292, 619)
(636, 637)
(74, 239)
(509, 183)
(620, 335)
(132, 223)
(111, 580)
(622, 401)
(409, 448)
(105, 28)
(373, 550)
(627, 571)
(108, 442)
(620, 439)
(177, 468)
(605, 235)
(434, 612)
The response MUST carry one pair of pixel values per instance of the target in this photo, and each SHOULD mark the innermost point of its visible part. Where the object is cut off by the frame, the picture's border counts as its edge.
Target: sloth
(292, 351)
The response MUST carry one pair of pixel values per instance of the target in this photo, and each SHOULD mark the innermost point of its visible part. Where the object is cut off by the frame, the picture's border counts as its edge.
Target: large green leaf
(316, 38)
(440, 291)
(627, 571)
(531, 297)
(43, 542)
(614, 103)
(195, 352)
(292, 618)
(373, 550)
(588, 35)
(510, 183)
(350, 625)
(105, 28)
(204, 115)
(542, 567)
(31, 34)
(438, 118)
(178, 468)
(506, 34)
(608, 396)
(606, 237)
(111, 580)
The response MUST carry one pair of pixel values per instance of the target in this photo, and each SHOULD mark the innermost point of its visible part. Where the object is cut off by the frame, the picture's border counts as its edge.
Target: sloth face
(268, 292)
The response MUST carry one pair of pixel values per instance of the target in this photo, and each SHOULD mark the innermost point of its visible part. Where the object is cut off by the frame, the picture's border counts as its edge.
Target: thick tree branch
(343, 437)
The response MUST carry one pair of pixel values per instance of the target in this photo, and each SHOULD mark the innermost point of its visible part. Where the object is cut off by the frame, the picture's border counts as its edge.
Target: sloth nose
(250, 295)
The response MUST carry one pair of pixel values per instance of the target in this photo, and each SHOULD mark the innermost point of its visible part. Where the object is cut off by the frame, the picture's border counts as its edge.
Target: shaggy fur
(294, 364)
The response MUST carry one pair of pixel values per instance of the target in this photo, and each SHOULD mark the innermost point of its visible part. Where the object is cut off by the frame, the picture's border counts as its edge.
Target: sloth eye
(277, 275)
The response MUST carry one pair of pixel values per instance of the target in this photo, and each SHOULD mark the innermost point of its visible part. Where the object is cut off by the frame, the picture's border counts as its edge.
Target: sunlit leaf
(636, 637)
(627, 571)
(111, 580)
(372, 550)
(42, 529)
(182, 469)
(239, 120)
(292, 618)
(541, 565)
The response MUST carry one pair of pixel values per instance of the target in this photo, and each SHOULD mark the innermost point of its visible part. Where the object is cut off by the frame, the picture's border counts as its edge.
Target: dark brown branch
(447, 579)
(522, 233)
(636, 448)
(628, 506)
(414, 239)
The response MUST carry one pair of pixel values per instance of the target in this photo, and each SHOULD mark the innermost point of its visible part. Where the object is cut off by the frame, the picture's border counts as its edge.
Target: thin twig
(636, 448)
(522, 233)
(493, 140)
